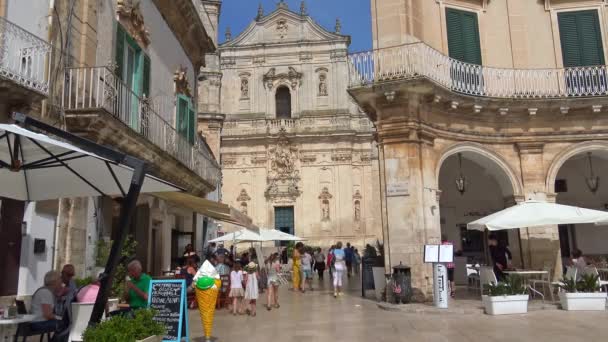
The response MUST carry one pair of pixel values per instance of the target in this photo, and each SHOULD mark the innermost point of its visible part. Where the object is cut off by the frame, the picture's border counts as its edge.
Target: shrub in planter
(582, 295)
(508, 297)
(123, 328)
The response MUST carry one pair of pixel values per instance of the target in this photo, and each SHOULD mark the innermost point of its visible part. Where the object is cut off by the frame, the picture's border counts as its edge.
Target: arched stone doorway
(577, 177)
(475, 182)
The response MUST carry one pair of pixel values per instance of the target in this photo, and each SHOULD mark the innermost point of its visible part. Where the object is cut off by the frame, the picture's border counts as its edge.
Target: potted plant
(508, 297)
(141, 327)
(582, 295)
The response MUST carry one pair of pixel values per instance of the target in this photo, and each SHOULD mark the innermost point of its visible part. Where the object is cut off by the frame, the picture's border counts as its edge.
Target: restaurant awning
(36, 167)
(212, 209)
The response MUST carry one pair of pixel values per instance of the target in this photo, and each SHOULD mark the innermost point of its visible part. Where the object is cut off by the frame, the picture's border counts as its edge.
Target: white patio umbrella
(277, 235)
(243, 235)
(531, 214)
(36, 167)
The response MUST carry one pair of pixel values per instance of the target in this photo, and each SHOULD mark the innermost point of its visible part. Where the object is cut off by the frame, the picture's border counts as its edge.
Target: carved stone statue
(244, 208)
(357, 211)
(325, 196)
(244, 88)
(180, 80)
(322, 85)
(325, 210)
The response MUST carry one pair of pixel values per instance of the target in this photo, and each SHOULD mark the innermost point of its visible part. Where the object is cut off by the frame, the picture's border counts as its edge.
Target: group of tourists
(339, 261)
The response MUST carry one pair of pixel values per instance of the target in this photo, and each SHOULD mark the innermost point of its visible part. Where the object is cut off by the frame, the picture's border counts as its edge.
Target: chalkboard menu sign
(168, 299)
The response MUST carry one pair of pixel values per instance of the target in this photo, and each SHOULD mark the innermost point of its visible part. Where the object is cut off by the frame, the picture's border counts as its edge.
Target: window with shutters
(283, 103)
(581, 42)
(463, 36)
(133, 68)
(186, 121)
(464, 46)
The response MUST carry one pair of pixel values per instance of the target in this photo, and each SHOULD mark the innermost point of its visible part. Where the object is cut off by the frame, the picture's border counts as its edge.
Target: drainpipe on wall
(383, 209)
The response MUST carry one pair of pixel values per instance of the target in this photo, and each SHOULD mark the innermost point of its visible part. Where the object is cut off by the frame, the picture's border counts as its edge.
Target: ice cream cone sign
(207, 286)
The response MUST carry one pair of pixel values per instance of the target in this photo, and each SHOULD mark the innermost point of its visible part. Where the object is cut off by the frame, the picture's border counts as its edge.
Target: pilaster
(540, 245)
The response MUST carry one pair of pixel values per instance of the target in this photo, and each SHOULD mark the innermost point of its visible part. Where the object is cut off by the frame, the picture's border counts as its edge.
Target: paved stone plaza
(317, 316)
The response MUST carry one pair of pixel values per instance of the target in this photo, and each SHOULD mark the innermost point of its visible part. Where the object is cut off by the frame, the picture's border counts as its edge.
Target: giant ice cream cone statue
(207, 284)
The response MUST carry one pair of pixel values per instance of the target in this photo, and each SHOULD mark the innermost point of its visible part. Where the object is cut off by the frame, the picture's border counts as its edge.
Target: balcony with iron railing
(24, 60)
(87, 91)
(420, 61)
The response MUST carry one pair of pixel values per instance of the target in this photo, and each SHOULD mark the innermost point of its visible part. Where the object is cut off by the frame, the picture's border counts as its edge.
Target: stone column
(540, 245)
(411, 209)
(71, 237)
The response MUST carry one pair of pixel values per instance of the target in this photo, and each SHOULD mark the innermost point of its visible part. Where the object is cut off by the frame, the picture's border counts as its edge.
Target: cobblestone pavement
(317, 317)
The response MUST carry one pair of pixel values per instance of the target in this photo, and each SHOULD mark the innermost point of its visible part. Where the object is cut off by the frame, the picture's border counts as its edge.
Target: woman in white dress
(251, 288)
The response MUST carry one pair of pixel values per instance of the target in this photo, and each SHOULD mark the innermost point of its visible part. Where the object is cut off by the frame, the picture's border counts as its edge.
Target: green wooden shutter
(581, 38)
(146, 76)
(182, 115)
(120, 50)
(463, 36)
(191, 125)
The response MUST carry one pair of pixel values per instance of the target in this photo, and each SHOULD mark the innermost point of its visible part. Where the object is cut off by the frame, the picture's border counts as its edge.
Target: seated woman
(43, 303)
(189, 272)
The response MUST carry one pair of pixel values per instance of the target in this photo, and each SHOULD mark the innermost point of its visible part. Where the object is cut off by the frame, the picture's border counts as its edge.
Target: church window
(283, 103)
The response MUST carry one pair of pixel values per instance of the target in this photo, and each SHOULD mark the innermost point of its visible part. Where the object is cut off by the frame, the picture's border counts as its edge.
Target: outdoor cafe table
(526, 274)
(8, 326)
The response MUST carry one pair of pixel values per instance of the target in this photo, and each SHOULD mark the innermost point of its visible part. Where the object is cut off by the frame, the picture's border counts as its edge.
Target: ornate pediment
(291, 75)
(284, 25)
(129, 15)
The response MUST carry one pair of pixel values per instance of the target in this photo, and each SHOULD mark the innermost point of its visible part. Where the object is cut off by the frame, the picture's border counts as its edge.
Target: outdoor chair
(545, 282)
(473, 281)
(570, 274)
(601, 283)
(24, 329)
(486, 277)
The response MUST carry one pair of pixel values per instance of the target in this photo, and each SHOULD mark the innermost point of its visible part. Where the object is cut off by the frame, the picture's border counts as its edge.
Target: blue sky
(354, 15)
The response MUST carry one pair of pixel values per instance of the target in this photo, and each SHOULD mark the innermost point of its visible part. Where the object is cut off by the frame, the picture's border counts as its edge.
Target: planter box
(505, 305)
(151, 339)
(379, 281)
(583, 301)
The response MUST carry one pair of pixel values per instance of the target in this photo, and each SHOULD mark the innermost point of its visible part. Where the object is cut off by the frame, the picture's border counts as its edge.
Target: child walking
(236, 289)
(251, 288)
(306, 262)
(273, 281)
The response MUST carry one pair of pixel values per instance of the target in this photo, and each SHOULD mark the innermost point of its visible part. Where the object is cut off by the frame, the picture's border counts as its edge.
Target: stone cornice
(211, 117)
(183, 19)
(530, 147)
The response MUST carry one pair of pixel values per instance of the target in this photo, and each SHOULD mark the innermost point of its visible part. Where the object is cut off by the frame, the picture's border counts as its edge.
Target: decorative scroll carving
(129, 15)
(283, 176)
(180, 80)
(325, 196)
(292, 76)
(282, 28)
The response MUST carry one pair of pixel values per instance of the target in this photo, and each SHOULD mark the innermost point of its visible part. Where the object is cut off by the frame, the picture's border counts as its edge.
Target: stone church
(297, 153)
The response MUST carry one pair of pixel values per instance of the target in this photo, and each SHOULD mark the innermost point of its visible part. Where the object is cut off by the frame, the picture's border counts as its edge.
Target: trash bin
(402, 284)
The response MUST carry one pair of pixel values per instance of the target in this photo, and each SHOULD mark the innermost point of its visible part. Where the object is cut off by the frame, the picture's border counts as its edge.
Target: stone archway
(576, 177)
(474, 182)
(491, 156)
(565, 155)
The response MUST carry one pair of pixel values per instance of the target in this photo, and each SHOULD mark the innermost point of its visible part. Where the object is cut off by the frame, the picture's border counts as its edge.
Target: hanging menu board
(168, 299)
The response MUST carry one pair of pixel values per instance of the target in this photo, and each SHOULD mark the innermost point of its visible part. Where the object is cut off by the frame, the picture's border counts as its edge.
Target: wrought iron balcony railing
(24, 58)
(87, 89)
(418, 60)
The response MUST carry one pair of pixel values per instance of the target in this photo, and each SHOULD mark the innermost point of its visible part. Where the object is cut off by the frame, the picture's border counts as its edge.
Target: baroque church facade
(297, 153)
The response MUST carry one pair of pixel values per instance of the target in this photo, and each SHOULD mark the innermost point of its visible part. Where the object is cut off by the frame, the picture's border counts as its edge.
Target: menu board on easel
(168, 299)
(438, 253)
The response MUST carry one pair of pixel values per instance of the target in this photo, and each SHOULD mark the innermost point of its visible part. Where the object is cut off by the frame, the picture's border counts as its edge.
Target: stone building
(123, 74)
(297, 154)
(480, 105)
